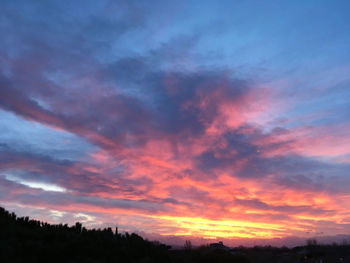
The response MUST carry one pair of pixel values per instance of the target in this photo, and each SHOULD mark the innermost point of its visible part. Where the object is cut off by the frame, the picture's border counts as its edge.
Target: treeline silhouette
(26, 240)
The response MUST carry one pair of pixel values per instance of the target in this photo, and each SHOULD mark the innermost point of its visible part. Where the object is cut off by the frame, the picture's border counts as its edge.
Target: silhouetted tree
(311, 242)
(188, 245)
(78, 227)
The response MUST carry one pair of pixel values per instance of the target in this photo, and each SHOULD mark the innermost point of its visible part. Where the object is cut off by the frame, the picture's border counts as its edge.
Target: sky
(199, 120)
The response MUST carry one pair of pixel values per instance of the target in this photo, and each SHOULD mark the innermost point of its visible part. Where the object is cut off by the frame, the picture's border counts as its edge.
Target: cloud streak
(161, 136)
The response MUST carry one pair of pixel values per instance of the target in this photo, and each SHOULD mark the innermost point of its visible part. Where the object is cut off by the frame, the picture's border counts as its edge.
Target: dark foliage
(25, 240)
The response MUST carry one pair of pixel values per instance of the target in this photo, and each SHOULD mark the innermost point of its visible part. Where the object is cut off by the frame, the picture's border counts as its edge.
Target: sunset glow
(178, 119)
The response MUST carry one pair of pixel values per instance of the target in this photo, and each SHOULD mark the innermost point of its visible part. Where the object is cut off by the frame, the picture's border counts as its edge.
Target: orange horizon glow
(178, 121)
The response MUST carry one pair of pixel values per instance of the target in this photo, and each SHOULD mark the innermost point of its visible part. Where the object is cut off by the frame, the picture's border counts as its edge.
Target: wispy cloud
(213, 127)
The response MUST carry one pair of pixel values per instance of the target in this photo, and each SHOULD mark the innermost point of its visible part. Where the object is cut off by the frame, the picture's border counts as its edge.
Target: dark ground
(25, 240)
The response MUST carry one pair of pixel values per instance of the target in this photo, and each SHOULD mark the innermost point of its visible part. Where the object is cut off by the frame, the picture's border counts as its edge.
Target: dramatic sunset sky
(178, 119)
